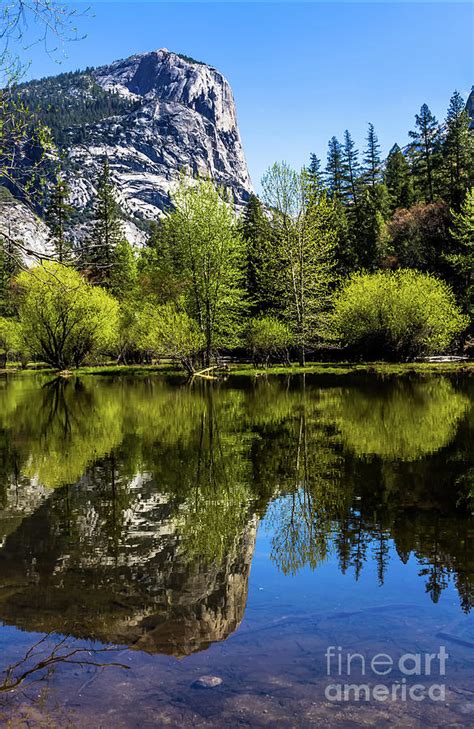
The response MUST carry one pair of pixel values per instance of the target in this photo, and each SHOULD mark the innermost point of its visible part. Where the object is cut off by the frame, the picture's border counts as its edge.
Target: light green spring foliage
(405, 422)
(63, 318)
(168, 330)
(268, 338)
(10, 335)
(211, 255)
(307, 240)
(399, 315)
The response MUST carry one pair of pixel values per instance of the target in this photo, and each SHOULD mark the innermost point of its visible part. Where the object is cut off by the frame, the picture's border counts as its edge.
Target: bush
(10, 339)
(64, 319)
(268, 338)
(396, 315)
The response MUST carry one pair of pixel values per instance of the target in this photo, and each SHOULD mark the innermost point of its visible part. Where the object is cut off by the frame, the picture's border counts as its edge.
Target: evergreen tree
(10, 266)
(107, 232)
(372, 236)
(461, 259)
(315, 174)
(335, 168)
(424, 151)
(458, 152)
(57, 215)
(351, 171)
(123, 273)
(372, 162)
(397, 178)
(262, 281)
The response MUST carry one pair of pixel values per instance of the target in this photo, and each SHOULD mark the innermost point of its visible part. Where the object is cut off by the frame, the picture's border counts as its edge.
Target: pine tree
(372, 161)
(397, 178)
(424, 151)
(262, 281)
(461, 259)
(57, 215)
(458, 152)
(10, 266)
(315, 174)
(351, 170)
(123, 273)
(335, 168)
(107, 232)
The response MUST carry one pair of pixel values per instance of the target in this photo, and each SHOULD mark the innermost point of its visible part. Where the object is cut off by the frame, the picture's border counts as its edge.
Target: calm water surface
(153, 533)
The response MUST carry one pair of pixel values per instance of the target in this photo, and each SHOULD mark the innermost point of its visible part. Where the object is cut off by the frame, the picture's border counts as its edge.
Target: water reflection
(130, 507)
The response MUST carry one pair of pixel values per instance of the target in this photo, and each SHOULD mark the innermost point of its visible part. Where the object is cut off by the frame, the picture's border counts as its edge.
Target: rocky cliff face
(164, 114)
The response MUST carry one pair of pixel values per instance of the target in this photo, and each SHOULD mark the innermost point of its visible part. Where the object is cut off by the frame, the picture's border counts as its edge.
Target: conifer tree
(107, 232)
(397, 178)
(315, 173)
(57, 216)
(461, 259)
(351, 170)
(425, 151)
(335, 168)
(123, 273)
(458, 152)
(10, 266)
(372, 161)
(262, 281)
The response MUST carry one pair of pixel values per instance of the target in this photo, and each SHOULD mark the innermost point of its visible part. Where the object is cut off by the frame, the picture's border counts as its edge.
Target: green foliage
(425, 152)
(307, 239)
(397, 315)
(461, 259)
(169, 331)
(372, 160)
(211, 255)
(98, 256)
(335, 168)
(71, 101)
(397, 178)
(57, 216)
(64, 319)
(10, 338)
(268, 339)
(10, 266)
(123, 274)
(458, 152)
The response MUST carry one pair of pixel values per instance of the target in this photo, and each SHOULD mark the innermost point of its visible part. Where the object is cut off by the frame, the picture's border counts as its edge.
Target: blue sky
(299, 72)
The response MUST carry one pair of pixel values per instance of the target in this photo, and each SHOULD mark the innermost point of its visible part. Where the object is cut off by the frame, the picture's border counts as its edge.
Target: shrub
(268, 338)
(64, 319)
(396, 315)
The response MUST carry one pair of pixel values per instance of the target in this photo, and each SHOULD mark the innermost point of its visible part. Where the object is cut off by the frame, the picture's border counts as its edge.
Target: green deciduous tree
(307, 242)
(64, 319)
(268, 338)
(397, 315)
(211, 257)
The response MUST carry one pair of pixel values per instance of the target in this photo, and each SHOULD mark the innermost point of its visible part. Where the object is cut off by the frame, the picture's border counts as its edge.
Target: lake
(281, 552)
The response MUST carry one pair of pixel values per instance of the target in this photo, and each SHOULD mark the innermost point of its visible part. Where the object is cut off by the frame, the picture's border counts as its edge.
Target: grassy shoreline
(248, 370)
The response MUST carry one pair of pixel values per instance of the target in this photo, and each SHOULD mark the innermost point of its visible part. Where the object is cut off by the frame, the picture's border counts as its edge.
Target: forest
(363, 259)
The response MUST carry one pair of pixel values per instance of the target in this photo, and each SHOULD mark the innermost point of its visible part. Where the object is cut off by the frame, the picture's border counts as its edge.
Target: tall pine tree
(458, 152)
(397, 178)
(10, 266)
(335, 168)
(57, 215)
(107, 232)
(425, 154)
(372, 161)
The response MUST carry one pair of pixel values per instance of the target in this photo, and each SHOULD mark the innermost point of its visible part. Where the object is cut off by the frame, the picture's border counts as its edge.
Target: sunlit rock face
(72, 568)
(182, 119)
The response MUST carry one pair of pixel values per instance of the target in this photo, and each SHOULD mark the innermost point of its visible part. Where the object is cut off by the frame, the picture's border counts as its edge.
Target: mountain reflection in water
(130, 507)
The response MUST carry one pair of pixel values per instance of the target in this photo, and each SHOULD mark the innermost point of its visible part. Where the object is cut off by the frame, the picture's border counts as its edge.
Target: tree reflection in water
(130, 507)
